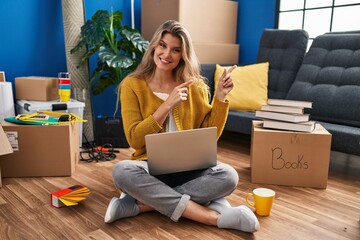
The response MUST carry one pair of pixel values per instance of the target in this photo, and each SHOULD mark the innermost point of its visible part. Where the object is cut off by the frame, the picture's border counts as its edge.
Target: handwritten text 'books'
(299, 127)
(69, 196)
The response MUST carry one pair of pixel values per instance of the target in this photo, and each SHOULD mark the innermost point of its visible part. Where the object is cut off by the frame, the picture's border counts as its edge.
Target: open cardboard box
(39, 151)
(290, 158)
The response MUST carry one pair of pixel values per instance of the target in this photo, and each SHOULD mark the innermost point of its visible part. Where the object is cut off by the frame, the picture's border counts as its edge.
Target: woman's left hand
(225, 84)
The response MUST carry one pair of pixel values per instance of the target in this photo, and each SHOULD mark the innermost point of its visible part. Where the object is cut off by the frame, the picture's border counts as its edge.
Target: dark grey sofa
(284, 50)
(328, 75)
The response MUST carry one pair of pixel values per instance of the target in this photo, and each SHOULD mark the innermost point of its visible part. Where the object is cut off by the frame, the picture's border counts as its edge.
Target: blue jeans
(170, 193)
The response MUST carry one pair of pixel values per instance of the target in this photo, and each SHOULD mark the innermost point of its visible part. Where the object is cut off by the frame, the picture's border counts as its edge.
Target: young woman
(167, 93)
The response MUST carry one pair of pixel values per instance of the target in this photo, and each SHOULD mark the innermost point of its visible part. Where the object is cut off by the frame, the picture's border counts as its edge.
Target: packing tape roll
(6, 101)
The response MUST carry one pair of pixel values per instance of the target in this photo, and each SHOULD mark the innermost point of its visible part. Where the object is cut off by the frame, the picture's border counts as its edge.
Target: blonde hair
(188, 67)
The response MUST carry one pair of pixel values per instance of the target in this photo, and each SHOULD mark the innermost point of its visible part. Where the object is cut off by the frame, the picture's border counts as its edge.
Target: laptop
(181, 151)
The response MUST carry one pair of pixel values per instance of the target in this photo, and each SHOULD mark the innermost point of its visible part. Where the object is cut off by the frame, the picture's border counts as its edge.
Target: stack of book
(286, 115)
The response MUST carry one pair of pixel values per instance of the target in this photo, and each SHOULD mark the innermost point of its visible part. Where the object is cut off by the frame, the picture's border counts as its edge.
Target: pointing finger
(228, 71)
(232, 68)
(185, 84)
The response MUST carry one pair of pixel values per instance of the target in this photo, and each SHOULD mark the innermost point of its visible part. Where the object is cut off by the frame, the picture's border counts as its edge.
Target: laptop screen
(180, 151)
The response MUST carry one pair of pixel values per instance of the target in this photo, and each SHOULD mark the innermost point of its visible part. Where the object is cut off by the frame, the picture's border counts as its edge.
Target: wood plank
(298, 213)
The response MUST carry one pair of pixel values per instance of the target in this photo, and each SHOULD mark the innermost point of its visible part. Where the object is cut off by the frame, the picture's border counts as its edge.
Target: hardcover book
(283, 109)
(283, 116)
(299, 127)
(289, 103)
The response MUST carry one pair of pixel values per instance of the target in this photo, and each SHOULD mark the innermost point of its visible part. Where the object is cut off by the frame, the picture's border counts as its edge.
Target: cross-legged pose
(167, 93)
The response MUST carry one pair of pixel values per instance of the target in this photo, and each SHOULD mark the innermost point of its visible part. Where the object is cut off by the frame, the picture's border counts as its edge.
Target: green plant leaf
(135, 38)
(103, 82)
(88, 54)
(120, 48)
(118, 17)
(93, 32)
(79, 46)
(115, 60)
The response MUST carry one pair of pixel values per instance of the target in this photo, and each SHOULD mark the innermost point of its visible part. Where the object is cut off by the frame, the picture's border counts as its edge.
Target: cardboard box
(73, 106)
(40, 151)
(207, 20)
(5, 147)
(290, 158)
(36, 88)
(217, 53)
(2, 76)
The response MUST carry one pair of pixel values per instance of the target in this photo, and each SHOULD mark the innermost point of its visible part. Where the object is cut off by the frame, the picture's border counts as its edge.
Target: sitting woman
(167, 93)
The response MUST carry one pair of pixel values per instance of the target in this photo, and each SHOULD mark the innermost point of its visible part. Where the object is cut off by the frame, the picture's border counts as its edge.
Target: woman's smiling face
(167, 54)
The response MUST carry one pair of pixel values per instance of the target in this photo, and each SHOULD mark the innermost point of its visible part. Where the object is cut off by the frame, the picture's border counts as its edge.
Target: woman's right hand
(178, 94)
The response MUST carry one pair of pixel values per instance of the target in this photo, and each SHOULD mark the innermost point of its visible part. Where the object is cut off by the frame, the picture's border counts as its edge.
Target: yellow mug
(263, 199)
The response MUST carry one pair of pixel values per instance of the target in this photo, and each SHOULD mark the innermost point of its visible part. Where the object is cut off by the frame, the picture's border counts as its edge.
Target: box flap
(5, 147)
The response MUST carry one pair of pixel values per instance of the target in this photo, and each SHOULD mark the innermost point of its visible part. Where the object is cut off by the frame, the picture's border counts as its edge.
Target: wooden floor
(298, 213)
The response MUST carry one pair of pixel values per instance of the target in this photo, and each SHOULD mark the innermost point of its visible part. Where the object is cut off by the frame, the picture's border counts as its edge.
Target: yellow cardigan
(138, 103)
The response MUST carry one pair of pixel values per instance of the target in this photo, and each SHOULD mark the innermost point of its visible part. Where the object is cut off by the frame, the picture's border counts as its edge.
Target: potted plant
(119, 48)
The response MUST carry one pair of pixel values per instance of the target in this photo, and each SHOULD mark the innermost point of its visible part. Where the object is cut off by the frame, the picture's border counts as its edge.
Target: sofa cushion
(250, 86)
(284, 50)
(240, 122)
(344, 138)
(208, 71)
(330, 78)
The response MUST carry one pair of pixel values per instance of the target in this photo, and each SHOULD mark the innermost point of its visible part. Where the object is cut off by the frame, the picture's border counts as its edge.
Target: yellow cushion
(250, 86)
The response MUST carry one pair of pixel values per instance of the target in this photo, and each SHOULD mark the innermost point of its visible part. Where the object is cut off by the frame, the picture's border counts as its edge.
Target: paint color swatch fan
(69, 196)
